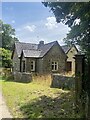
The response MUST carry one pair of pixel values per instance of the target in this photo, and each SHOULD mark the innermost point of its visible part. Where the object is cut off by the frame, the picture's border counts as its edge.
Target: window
(23, 65)
(33, 65)
(20, 65)
(54, 66)
(69, 66)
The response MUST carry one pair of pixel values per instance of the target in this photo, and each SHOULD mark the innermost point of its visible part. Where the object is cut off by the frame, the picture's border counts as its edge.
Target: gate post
(79, 82)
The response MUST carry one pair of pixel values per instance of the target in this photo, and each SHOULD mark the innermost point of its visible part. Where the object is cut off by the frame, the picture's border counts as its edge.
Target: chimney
(41, 43)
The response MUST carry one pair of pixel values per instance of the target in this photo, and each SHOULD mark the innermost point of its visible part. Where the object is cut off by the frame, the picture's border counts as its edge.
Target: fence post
(79, 83)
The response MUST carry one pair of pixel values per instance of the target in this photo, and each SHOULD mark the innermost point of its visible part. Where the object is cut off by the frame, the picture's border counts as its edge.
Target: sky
(33, 22)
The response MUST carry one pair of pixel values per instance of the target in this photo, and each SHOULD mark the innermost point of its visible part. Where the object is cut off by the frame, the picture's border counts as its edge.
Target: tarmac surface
(4, 112)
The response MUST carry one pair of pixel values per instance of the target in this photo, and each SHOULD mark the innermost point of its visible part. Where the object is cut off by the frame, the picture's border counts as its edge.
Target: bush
(5, 58)
(6, 73)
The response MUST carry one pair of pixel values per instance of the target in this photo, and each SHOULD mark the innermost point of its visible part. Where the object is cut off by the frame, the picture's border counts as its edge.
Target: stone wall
(52, 80)
(22, 77)
(28, 64)
(64, 82)
(39, 66)
(16, 62)
(44, 65)
(54, 54)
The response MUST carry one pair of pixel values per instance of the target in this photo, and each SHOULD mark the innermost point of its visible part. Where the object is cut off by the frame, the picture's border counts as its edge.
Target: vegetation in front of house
(36, 100)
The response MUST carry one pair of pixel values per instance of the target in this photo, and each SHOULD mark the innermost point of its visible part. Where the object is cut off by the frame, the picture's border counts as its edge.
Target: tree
(77, 16)
(7, 40)
(5, 56)
(7, 36)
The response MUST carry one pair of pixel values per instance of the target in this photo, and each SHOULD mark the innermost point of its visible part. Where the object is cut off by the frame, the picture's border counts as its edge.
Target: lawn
(35, 100)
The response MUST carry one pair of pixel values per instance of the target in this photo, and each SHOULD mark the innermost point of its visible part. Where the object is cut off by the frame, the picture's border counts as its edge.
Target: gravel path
(4, 112)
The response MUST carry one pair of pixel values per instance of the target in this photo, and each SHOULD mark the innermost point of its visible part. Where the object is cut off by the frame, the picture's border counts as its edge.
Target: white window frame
(55, 65)
(33, 64)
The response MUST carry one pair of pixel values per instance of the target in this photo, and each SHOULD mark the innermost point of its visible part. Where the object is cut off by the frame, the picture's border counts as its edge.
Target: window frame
(55, 66)
(32, 63)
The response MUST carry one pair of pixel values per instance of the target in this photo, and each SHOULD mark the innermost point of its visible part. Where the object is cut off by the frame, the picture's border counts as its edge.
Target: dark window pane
(23, 66)
(52, 67)
(69, 66)
(55, 67)
(31, 67)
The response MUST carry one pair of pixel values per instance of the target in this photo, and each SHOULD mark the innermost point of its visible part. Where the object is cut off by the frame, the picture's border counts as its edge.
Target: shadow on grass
(48, 107)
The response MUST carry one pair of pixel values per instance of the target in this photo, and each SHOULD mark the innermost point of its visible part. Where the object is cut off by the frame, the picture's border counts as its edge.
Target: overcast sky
(33, 22)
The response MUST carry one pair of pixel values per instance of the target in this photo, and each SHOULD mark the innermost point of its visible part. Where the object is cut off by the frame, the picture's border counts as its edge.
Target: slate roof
(24, 46)
(66, 48)
(44, 49)
(32, 53)
(32, 50)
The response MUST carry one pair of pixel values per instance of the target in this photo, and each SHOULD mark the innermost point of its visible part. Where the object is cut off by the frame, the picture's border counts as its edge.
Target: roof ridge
(66, 45)
(25, 43)
(31, 50)
(50, 42)
(34, 43)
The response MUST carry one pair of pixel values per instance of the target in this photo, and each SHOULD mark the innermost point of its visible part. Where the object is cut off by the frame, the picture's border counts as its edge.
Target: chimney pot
(41, 43)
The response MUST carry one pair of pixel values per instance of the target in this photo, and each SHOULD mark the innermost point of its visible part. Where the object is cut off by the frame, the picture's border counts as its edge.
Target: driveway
(4, 112)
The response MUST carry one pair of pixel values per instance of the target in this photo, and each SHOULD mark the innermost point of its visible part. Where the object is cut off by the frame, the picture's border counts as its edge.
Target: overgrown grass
(34, 100)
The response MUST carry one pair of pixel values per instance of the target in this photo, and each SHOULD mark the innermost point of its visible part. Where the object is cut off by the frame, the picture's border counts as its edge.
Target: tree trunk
(88, 114)
(88, 84)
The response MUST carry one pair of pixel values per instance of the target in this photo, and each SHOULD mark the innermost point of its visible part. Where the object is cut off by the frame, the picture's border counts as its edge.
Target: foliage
(77, 16)
(6, 74)
(33, 100)
(7, 36)
(7, 40)
(5, 56)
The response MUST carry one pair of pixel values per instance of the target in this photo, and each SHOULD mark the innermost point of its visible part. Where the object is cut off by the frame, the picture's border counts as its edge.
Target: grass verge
(35, 100)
